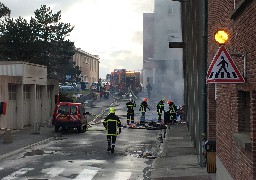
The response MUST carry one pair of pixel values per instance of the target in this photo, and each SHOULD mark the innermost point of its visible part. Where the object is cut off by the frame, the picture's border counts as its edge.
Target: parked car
(67, 88)
(68, 115)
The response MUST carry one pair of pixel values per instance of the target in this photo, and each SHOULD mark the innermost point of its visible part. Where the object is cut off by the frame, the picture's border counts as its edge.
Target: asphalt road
(70, 155)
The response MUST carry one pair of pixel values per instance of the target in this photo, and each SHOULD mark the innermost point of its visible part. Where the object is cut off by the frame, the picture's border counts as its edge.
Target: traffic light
(221, 36)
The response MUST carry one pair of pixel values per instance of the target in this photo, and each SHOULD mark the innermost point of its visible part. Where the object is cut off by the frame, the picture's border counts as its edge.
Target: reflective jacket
(144, 106)
(113, 124)
(130, 105)
(160, 107)
(172, 108)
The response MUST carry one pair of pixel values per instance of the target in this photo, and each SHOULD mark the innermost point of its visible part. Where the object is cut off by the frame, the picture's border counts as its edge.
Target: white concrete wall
(167, 28)
(31, 73)
(22, 112)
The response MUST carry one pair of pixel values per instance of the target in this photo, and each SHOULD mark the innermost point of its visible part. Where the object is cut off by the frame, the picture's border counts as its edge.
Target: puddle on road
(37, 152)
(140, 152)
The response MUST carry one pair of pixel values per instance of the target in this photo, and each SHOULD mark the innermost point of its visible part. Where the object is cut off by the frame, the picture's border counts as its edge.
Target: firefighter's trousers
(130, 117)
(111, 140)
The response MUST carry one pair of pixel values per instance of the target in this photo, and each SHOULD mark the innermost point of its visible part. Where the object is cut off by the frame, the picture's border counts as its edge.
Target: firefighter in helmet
(112, 124)
(143, 108)
(160, 109)
(173, 110)
(130, 111)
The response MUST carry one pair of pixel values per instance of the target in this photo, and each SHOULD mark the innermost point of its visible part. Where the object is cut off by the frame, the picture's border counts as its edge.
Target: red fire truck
(123, 81)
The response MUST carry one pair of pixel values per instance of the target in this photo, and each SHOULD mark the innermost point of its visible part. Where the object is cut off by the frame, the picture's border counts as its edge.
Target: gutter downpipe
(203, 105)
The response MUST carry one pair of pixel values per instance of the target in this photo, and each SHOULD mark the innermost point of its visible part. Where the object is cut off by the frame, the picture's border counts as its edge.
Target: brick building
(222, 112)
(231, 112)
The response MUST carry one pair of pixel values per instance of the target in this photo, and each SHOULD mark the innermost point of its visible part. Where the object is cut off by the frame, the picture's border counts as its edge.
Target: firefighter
(130, 111)
(173, 110)
(143, 108)
(112, 124)
(160, 109)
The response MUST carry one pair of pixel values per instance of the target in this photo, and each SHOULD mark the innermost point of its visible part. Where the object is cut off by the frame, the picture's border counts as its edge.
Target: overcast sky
(111, 29)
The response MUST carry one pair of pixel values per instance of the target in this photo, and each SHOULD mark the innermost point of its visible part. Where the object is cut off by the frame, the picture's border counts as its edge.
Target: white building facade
(165, 68)
(29, 95)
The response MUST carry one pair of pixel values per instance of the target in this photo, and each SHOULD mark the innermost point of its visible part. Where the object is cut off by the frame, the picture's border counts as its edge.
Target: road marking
(16, 174)
(53, 172)
(86, 174)
(122, 175)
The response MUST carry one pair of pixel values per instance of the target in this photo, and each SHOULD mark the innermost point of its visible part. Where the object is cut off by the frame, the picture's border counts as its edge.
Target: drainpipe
(203, 104)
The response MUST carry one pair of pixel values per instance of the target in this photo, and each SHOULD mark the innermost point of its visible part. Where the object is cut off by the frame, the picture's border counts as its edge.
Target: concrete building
(194, 65)
(162, 66)
(29, 95)
(148, 71)
(88, 64)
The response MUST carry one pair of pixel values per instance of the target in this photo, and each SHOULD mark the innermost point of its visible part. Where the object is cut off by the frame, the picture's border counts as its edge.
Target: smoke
(169, 80)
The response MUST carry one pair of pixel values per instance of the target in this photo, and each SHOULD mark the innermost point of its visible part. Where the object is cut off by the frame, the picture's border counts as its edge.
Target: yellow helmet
(112, 110)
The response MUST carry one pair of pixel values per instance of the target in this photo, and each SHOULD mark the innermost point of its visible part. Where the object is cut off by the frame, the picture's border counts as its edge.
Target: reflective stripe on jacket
(112, 124)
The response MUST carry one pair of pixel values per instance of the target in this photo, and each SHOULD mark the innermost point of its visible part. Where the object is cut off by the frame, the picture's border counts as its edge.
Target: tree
(41, 41)
(16, 40)
(4, 11)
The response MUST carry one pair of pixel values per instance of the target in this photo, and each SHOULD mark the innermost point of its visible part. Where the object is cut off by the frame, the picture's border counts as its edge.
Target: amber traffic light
(221, 37)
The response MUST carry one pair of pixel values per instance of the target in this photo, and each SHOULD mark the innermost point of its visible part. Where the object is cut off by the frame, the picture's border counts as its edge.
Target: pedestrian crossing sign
(223, 69)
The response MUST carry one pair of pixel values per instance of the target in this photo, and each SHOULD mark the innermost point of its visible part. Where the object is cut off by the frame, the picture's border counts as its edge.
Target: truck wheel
(56, 128)
(80, 129)
(84, 127)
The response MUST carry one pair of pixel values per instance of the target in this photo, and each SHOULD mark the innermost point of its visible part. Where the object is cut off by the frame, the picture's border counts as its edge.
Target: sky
(111, 29)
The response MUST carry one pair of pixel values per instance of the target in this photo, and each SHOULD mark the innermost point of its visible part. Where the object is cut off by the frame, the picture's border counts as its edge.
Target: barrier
(8, 136)
(36, 128)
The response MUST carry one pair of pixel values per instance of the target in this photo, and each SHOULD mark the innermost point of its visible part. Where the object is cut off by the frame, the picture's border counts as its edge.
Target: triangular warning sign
(223, 69)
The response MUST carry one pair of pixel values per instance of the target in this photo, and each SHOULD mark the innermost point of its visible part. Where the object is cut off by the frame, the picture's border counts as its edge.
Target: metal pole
(203, 104)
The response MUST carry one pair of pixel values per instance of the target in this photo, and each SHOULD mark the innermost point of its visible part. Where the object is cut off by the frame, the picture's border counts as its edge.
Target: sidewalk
(178, 160)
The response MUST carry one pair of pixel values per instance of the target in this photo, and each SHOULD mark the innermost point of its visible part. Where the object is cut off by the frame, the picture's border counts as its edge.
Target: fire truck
(123, 81)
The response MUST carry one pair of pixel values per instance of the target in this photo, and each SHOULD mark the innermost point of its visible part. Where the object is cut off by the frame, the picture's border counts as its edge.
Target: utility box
(210, 147)
(8, 136)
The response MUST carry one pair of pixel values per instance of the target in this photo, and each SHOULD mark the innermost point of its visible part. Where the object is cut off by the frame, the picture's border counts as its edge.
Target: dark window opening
(244, 111)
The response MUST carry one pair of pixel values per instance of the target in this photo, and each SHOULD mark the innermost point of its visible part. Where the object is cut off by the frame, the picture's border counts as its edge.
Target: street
(71, 155)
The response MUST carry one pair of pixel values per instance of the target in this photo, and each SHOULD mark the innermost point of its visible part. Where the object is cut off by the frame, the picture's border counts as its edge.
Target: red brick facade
(231, 111)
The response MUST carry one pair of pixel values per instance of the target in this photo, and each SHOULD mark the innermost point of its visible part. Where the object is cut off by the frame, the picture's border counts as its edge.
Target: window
(49, 91)
(73, 110)
(242, 136)
(38, 92)
(12, 92)
(244, 111)
(172, 11)
(239, 7)
(26, 91)
(63, 110)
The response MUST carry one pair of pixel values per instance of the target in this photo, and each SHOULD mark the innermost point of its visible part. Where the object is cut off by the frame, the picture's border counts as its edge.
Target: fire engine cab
(69, 115)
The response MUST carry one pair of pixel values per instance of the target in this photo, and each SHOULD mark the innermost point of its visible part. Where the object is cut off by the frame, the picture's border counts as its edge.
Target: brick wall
(226, 109)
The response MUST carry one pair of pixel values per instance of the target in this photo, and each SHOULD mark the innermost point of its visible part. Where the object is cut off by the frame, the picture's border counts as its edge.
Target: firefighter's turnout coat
(160, 107)
(144, 106)
(130, 107)
(113, 124)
